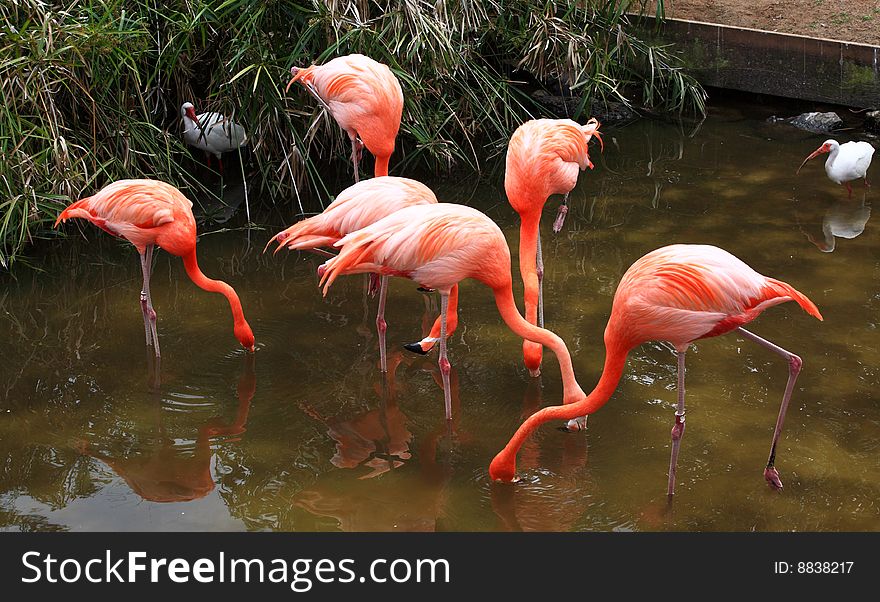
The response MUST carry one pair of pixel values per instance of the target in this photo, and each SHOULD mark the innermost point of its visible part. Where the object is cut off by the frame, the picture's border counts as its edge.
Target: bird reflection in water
(170, 473)
(405, 498)
(845, 218)
(547, 506)
(378, 439)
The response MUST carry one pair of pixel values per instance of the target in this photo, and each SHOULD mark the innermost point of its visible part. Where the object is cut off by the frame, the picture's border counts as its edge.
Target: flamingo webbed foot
(560, 218)
(772, 477)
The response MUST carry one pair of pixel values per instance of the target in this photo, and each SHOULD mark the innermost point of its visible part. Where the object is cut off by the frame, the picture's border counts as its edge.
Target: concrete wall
(785, 65)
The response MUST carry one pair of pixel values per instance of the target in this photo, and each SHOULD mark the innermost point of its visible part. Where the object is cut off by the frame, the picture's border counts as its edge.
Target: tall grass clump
(91, 89)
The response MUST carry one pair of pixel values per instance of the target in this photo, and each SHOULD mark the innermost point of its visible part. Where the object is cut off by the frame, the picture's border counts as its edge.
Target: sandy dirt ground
(848, 20)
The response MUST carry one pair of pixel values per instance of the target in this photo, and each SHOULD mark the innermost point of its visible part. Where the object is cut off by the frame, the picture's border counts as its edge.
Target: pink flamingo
(544, 157)
(438, 246)
(364, 97)
(678, 293)
(357, 207)
(149, 213)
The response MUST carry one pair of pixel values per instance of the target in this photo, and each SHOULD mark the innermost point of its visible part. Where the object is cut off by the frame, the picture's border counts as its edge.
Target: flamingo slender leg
(678, 427)
(560, 216)
(795, 364)
(849, 188)
(147, 301)
(151, 311)
(356, 146)
(147, 333)
(381, 326)
(539, 261)
(445, 367)
(372, 284)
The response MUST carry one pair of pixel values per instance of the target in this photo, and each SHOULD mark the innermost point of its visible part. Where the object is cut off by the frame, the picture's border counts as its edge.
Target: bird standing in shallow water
(211, 132)
(149, 213)
(357, 207)
(679, 294)
(846, 162)
(544, 157)
(438, 246)
(365, 99)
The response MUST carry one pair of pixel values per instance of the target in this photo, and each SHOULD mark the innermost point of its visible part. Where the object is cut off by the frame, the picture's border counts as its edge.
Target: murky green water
(304, 435)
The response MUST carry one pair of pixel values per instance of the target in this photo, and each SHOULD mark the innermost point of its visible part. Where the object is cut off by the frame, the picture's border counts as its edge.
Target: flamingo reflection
(404, 499)
(167, 473)
(378, 439)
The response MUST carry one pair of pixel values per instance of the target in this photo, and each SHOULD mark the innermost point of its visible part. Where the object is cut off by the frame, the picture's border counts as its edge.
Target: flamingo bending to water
(214, 133)
(149, 213)
(846, 162)
(357, 207)
(365, 99)
(544, 157)
(678, 293)
(438, 246)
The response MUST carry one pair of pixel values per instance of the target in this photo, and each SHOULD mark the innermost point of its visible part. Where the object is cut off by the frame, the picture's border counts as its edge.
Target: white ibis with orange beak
(846, 162)
(214, 133)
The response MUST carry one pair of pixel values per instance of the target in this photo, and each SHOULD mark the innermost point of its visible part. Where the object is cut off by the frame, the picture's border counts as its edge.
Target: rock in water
(872, 121)
(813, 122)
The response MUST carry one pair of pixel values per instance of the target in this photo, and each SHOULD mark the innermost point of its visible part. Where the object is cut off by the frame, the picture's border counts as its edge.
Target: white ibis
(214, 133)
(846, 162)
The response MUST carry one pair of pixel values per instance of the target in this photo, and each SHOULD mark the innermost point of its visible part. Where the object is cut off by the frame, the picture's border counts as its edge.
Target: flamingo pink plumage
(438, 246)
(355, 208)
(364, 97)
(679, 294)
(149, 213)
(544, 157)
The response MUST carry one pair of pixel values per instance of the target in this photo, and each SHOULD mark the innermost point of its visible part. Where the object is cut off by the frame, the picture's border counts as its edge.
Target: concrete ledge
(786, 65)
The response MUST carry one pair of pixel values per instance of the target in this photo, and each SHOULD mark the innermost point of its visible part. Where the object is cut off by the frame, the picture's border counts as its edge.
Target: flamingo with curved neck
(365, 99)
(438, 246)
(678, 293)
(544, 157)
(149, 213)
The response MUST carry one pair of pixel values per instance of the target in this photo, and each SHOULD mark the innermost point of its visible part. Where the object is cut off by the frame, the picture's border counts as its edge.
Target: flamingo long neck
(191, 264)
(510, 314)
(381, 166)
(528, 247)
(503, 467)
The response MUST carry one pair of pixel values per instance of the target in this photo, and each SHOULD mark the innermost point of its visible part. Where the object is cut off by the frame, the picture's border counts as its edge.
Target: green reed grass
(91, 89)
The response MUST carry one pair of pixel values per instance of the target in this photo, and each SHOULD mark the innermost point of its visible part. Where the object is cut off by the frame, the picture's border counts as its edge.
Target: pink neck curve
(191, 265)
(381, 166)
(510, 314)
(503, 466)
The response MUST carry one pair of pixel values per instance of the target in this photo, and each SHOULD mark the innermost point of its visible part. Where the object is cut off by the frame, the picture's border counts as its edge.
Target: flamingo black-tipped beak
(415, 348)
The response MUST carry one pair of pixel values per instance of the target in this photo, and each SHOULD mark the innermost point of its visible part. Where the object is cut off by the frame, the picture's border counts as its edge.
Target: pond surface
(305, 435)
